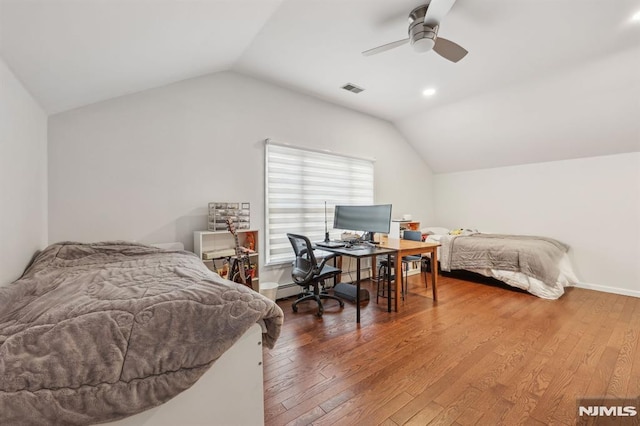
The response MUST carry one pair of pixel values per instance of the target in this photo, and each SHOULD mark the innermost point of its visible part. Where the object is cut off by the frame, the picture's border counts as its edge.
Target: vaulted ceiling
(529, 61)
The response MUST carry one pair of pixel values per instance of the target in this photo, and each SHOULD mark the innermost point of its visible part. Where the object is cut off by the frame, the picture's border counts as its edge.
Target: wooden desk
(407, 248)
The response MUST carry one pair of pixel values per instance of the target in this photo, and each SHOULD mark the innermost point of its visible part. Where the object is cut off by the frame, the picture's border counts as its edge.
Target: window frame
(298, 182)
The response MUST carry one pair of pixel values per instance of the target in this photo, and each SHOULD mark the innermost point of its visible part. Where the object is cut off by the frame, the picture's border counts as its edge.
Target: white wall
(592, 204)
(143, 167)
(23, 176)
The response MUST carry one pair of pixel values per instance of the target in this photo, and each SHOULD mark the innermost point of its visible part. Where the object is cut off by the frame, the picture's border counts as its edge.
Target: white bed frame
(230, 393)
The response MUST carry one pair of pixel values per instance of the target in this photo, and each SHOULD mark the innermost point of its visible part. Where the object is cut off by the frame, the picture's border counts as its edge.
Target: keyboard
(330, 244)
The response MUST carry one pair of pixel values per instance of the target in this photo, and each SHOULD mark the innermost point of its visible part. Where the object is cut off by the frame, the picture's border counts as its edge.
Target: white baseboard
(606, 289)
(287, 290)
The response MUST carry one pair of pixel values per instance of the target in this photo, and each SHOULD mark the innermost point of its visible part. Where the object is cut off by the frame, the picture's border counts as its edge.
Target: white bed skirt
(230, 393)
(566, 278)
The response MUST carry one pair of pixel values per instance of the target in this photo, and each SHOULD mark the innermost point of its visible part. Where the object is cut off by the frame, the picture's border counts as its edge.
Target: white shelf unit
(218, 241)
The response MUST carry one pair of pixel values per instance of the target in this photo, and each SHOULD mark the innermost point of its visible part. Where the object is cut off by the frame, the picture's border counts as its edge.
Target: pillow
(462, 231)
(435, 230)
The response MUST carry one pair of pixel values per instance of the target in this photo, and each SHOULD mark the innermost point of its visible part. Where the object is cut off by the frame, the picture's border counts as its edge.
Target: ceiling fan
(424, 22)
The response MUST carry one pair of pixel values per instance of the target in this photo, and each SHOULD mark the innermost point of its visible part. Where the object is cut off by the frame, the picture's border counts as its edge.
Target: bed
(539, 265)
(93, 333)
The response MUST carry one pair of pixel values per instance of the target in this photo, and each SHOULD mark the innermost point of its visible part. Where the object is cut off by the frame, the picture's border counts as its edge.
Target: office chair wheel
(295, 308)
(320, 312)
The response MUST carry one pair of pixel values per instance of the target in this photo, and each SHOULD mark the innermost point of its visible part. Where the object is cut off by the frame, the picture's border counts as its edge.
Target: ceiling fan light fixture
(423, 37)
(423, 45)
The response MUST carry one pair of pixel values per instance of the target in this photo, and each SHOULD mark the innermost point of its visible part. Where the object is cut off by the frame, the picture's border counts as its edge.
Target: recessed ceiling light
(636, 17)
(429, 92)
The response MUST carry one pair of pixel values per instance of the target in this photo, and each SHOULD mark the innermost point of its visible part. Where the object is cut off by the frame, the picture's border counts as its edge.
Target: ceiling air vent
(352, 88)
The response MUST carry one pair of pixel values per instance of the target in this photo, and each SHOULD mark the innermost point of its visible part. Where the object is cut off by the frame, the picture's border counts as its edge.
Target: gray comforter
(97, 332)
(537, 257)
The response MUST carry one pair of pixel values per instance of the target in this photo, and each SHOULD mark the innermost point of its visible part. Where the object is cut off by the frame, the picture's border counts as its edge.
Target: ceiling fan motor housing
(422, 37)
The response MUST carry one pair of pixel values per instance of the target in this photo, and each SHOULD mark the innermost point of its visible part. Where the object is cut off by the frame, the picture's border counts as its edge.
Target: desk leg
(374, 263)
(358, 290)
(398, 279)
(434, 273)
(337, 263)
(388, 283)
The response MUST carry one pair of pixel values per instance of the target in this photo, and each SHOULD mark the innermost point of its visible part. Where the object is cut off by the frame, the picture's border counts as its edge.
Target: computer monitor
(370, 219)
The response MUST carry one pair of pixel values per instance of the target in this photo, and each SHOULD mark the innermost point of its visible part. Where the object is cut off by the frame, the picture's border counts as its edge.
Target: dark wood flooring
(481, 355)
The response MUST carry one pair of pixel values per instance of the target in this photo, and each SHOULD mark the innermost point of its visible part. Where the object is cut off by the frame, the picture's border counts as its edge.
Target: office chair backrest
(305, 265)
(412, 235)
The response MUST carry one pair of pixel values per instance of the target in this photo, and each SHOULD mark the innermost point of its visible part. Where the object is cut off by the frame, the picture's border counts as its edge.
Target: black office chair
(307, 273)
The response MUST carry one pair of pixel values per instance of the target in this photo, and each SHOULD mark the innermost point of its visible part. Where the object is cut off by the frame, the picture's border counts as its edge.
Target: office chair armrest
(324, 261)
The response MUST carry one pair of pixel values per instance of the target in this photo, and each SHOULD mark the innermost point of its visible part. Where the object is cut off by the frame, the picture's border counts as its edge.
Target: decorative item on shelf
(251, 272)
(414, 226)
(224, 271)
(250, 241)
(220, 212)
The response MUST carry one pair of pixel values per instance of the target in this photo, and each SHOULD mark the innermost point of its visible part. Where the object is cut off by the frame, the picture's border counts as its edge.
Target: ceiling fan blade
(385, 47)
(436, 11)
(449, 50)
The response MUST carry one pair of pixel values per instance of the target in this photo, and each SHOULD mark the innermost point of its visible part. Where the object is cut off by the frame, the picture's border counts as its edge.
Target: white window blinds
(298, 183)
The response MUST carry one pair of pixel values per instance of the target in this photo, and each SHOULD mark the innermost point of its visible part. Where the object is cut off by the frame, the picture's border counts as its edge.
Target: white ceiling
(70, 53)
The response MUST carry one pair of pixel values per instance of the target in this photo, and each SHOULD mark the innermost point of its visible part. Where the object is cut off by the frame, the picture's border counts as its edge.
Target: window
(298, 183)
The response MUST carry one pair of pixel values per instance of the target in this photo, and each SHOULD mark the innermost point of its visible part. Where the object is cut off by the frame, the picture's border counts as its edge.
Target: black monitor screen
(376, 218)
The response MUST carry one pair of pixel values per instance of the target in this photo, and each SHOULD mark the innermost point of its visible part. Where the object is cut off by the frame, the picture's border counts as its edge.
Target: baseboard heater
(348, 291)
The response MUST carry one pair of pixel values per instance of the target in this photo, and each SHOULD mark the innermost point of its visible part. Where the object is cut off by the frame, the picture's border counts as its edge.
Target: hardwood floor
(480, 355)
